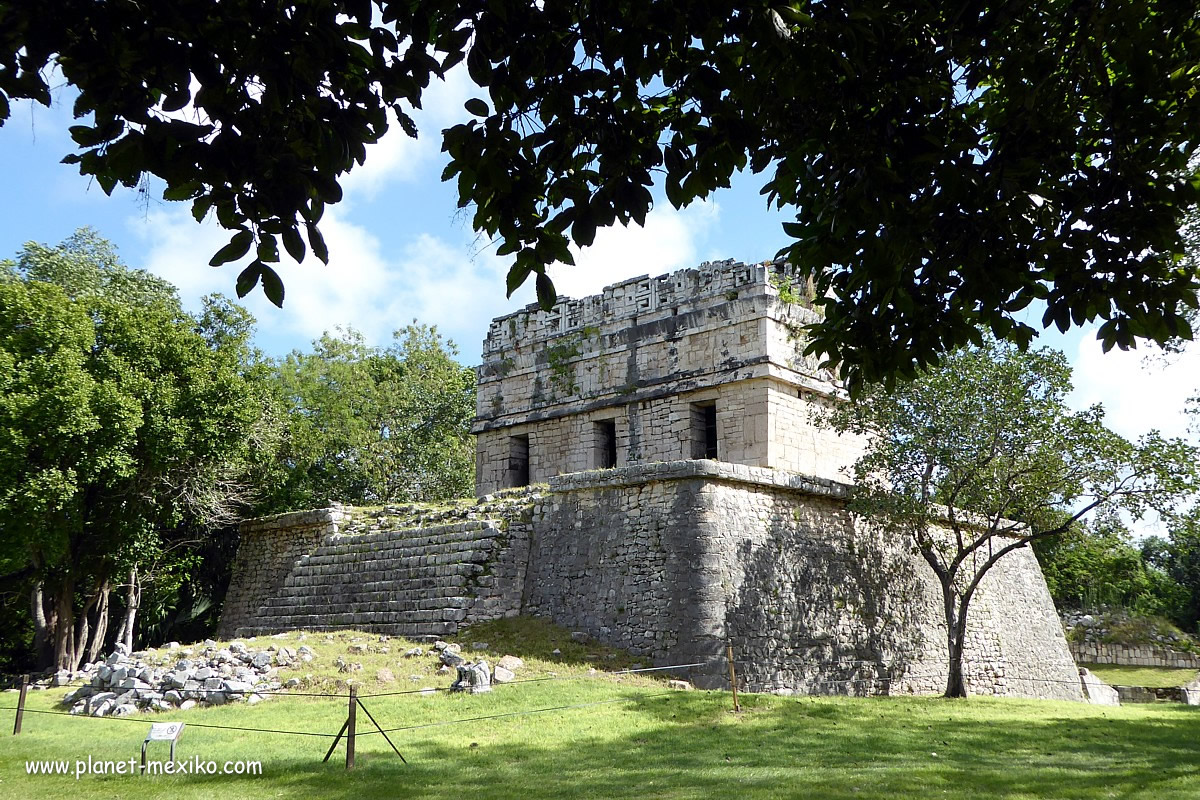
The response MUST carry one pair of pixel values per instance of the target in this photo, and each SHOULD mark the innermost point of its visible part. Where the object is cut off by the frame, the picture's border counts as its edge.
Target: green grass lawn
(655, 743)
(1141, 676)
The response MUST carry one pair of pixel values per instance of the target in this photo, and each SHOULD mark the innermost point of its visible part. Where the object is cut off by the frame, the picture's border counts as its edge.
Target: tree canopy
(369, 425)
(1101, 564)
(981, 456)
(134, 435)
(948, 164)
(121, 416)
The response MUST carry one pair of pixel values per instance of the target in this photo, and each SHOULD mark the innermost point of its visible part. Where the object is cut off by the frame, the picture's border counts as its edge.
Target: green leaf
(317, 242)
(516, 276)
(201, 206)
(107, 182)
(272, 286)
(183, 191)
(268, 249)
(238, 246)
(477, 107)
(546, 295)
(248, 278)
(583, 231)
(293, 243)
(326, 187)
(87, 136)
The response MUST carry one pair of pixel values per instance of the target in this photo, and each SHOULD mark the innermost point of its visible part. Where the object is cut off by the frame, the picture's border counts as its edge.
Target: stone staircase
(405, 573)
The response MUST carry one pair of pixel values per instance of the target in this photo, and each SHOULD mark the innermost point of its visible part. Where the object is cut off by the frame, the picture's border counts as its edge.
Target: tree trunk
(101, 628)
(41, 626)
(82, 628)
(133, 598)
(956, 629)
(64, 629)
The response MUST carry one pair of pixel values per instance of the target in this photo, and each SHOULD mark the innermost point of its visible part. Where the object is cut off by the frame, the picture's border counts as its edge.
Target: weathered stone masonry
(1132, 655)
(619, 402)
(401, 570)
(673, 559)
(267, 551)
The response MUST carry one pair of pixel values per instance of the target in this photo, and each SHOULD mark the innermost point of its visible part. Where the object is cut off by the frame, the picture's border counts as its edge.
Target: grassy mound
(1154, 677)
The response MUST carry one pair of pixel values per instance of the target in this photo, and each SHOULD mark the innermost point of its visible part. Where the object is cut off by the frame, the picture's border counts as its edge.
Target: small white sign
(164, 731)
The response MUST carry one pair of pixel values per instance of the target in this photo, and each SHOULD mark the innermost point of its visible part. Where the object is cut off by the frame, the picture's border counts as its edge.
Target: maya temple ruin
(649, 471)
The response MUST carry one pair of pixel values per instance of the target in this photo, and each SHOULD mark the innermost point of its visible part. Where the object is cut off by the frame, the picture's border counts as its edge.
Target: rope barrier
(189, 724)
(512, 714)
(442, 689)
(518, 713)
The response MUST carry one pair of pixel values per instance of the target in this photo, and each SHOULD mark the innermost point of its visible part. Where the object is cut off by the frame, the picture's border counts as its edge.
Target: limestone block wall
(1132, 656)
(405, 571)
(798, 442)
(658, 429)
(671, 560)
(267, 549)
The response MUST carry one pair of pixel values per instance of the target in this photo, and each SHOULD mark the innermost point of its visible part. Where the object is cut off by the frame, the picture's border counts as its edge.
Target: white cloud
(318, 297)
(1138, 394)
(670, 240)
(430, 279)
(453, 284)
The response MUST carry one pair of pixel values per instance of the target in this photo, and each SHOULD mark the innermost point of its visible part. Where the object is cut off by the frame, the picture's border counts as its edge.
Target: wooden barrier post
(350, 727)
(732, 676)
(21, 704)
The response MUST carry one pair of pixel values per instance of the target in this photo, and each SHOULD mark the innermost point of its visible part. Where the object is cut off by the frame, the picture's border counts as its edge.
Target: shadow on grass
(691, 745)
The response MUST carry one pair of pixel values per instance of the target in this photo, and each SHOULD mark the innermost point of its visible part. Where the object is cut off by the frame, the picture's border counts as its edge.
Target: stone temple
(649, 471)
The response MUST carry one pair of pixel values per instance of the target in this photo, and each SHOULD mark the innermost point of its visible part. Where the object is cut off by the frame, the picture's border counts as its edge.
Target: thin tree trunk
(133, 598)
(955, 640)
(50, 604)
(41, 626)
(82, 628)
(64, 629)
(81, 638)
(101, 628)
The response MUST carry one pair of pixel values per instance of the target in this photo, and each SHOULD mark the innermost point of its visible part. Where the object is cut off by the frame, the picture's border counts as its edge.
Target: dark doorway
(704, 430)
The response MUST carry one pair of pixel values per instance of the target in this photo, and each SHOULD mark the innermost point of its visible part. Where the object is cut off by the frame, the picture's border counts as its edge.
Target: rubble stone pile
(181, 678)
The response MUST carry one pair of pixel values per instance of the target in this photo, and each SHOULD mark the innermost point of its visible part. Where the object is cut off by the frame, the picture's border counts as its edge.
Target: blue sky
(401, 250)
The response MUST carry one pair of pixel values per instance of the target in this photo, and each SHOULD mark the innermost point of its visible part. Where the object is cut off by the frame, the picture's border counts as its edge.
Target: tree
(980, 456)
(1100, 564)
(948, 163)
(371, 425)
(119, 419)
(1179, 558)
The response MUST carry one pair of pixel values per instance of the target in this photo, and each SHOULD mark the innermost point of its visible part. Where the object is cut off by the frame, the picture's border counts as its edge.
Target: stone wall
(671, 560)
(1132, 656)
(401, 570)
(641, 355)
(267, 549)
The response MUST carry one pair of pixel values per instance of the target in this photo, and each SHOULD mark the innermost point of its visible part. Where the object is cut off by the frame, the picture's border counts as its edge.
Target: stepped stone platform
(402, 570)
(671, 561)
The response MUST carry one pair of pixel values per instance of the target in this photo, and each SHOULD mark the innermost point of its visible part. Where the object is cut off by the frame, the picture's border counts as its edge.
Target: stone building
(649, 471)
(700, 363)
